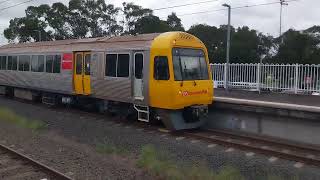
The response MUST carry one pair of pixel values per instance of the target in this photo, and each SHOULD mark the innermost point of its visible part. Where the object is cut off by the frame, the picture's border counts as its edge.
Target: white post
(296, 77)
(225, 76)
(258, 77)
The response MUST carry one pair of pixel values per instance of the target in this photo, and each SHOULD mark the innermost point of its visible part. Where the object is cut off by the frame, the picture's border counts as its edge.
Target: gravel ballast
(70, 139)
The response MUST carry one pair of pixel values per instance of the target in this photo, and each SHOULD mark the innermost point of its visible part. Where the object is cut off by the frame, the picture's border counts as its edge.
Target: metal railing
(290, 78)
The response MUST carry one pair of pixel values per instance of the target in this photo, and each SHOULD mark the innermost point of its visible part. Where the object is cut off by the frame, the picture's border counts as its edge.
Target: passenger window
(49, 63)
(123, 65)
(138, 65)
(12, 63)
(3, 62)
(53, 63)
(87, 59)
(57, 64)
(111, 65)
(37, 63)
(24, 63)
(161, 68)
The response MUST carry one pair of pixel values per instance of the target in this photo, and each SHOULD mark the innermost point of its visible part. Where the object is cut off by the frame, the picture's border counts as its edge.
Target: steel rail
(269, 141)
(257, 149)
(34, 163)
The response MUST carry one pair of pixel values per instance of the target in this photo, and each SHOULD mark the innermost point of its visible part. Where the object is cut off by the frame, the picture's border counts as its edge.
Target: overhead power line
(238, 7)
(182, 5)
(4, 1)
(8, 7)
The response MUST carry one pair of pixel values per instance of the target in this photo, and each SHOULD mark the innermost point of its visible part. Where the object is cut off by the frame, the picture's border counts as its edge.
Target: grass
(11, 117)
(160, 165)
(108, 148)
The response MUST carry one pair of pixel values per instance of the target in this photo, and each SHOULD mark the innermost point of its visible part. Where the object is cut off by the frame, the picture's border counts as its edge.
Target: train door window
(161, 68)
(57, 64)
(37, 63)
(111, 65)
(24, 63)
(79, 64)
(138, 65)
(123, 65)
(87, 59)
(3, 62)
(12, 63)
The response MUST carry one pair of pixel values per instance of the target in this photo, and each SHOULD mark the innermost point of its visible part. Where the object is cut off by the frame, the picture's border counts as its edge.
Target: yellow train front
(151, 77)
(180, 82)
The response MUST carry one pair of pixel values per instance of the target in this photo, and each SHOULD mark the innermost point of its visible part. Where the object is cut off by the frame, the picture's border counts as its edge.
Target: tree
(56, 17)
(298, 47)
(150, 24)
(213, 38)
(174, 22)
(132, 14)
(27, 28)
(93, 17)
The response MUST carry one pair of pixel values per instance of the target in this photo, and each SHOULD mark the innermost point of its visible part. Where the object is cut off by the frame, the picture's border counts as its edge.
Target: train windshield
(189, 64)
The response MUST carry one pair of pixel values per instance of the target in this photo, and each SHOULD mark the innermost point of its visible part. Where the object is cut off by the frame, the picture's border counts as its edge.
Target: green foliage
(298, 47)
(108, 148)
(174, 22)
(10, 116)
(150, 24)
(160, 164)
(133, 13)
(229, 173)
(247, 46)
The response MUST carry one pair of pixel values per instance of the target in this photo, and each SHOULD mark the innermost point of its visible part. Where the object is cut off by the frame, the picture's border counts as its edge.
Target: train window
(138, 65)
(57, 64)
(161, 68)
(53, 63)
(111, 65)
(37, 63)
(79, 64)
(12, 62)
(24, 63)
(87, 59)
(123, 65)
(3, 62)
(49, 63)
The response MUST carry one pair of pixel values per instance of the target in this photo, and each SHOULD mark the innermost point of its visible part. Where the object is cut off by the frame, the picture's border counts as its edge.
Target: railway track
(283, 149)
(302, 153)
(16, 166)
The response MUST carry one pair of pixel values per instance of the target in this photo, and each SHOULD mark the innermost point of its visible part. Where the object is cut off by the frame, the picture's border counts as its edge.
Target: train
(156, 77)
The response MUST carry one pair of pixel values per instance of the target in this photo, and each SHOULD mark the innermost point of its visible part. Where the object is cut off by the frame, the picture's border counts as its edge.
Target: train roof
(142, 41)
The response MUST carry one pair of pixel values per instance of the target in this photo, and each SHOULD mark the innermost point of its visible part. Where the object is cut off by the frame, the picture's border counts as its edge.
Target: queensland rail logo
(191, 93)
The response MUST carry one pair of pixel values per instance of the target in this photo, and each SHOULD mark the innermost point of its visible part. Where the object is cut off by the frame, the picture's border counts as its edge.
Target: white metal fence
(291, 78)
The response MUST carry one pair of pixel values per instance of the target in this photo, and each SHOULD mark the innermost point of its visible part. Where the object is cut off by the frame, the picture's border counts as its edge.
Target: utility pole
(228, 47)
(282, 3)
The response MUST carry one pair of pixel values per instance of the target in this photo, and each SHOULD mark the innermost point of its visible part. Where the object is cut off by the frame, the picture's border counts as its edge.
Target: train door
(81, 74)
(138, 76)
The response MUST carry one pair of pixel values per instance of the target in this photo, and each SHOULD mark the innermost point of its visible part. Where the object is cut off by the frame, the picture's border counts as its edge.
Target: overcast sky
(299, 15)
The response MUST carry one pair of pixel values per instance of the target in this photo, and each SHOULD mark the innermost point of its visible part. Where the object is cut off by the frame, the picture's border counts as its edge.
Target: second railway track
(16, 166)
(302, 153)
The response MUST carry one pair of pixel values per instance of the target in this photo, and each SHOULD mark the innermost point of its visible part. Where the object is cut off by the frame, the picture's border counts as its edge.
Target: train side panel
(52, 82)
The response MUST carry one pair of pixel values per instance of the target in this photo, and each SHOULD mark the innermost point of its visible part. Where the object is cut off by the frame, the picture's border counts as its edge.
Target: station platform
(285, 116)
(272, 97)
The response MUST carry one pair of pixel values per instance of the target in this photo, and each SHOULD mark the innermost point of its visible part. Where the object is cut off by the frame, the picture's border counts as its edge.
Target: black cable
(239, 7)
(24, 2)
(4, 1)
(182, 5)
